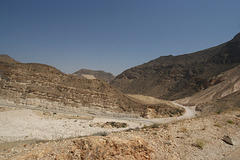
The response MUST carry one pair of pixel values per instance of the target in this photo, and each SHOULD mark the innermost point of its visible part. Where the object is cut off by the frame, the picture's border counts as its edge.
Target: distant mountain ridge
(174, 77)
(102, 75)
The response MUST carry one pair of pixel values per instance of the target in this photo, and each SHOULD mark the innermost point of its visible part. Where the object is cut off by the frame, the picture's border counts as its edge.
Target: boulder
(227, 140)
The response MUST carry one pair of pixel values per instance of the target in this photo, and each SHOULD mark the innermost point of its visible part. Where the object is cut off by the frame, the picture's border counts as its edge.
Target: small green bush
(238, 115)
(230, 122)
(145, 126)
(219, 111)
(217, 125)
(199, 143)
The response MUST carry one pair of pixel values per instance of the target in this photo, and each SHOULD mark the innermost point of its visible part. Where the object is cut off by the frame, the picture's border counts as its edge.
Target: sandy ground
(194, 139)
(20, 123)
(175, 138)
(24, 124)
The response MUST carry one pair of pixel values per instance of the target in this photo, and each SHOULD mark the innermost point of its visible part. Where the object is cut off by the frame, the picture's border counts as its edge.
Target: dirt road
(26, 122)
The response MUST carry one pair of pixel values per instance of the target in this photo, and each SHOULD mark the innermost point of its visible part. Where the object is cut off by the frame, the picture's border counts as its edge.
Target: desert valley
(173, 107)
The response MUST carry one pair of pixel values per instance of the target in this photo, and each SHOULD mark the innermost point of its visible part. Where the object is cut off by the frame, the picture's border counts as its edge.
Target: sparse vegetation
(155, 125)
(145, 126)
(115, 124)
(238, 115)
(219, 111)
(199, 143)
(100, 134)
(218, 125)
(230, 122)
(183, 130)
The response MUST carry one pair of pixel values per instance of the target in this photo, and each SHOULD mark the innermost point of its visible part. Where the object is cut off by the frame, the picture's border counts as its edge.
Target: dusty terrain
(25, 134)
(195, 139)
(21, 122)
(192, 139)
(18, 123)
(26, 125)
(94, 148)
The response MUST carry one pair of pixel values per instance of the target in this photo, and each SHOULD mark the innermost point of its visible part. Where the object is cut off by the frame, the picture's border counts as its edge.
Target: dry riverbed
(21, 123)
(25, 124)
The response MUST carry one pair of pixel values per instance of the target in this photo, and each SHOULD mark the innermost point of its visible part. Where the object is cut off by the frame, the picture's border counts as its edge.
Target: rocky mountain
(174, 77)
(229, 83)
(223, 96)
(90, 74)
(38, 84)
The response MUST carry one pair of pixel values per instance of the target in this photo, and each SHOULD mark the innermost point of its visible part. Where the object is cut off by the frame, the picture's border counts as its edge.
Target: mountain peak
(98, 74)
(7, 59)
(175, 77)
(237, 37)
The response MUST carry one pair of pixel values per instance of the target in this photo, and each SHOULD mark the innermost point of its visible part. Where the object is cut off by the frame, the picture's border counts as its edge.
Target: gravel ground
(195, 139)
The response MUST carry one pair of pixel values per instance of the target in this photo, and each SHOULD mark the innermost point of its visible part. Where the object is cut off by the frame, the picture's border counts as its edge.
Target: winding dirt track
(22, 123)
(189, 113)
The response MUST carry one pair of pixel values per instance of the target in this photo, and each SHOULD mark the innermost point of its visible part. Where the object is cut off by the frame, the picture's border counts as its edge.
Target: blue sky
(112, 35)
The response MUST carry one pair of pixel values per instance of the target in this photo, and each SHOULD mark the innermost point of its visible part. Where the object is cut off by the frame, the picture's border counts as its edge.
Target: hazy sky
(112, 35)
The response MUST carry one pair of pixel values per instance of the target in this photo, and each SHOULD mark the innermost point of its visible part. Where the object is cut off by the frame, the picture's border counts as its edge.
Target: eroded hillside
(223, 96)
(35, 84)
(174, 77)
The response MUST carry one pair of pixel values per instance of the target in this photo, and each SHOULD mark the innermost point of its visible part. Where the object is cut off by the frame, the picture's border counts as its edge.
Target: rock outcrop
(104, 76)
(94, 148)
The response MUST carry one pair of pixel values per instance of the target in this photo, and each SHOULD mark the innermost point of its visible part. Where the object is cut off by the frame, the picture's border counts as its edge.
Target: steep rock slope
(107, 77)
(19, 81)
(229, 102)
(174, 77)
(229, 84)
(222, 96)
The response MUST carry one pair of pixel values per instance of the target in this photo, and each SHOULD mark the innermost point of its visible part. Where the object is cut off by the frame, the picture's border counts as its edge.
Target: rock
(199, 108)
(91, 148)
(227, 140)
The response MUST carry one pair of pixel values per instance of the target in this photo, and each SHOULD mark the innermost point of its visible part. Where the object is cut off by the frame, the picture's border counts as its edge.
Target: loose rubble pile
(94, 148)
